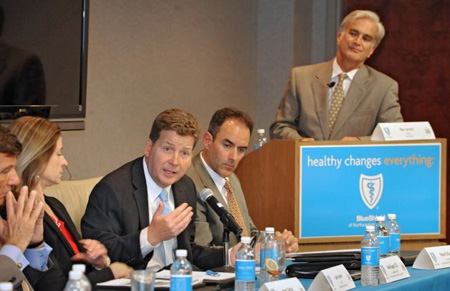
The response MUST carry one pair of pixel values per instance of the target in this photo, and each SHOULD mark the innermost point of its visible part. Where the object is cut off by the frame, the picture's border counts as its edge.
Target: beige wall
(199, 55)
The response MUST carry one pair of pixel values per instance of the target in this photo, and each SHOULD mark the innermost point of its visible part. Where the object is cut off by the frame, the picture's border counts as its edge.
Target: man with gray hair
(341, 99)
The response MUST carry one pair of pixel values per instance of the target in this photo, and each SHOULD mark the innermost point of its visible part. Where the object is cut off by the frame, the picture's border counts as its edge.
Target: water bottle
(383, 236)
(261, 138)
(245, 267)
(267, 244)
(75, 283)
(370, 248)
(6, 286)
(394, 235)
(82, 269)
(181, 273)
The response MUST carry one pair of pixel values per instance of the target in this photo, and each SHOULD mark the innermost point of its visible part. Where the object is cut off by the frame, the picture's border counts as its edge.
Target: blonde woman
(39, 166)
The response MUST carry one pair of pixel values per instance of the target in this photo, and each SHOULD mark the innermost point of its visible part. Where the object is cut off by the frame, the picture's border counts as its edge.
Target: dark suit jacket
(208, 227)
(38, 280)
(371, 98)
(62, 251)
(22, 80)
(118, 210)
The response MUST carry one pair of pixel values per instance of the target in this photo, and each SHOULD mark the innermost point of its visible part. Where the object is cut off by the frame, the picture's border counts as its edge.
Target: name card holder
(392, 269)
(433, 258)
(403, 131)
(335, 278)
(283, 285)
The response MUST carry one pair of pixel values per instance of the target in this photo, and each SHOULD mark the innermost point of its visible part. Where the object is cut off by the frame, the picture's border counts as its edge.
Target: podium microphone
(331, 84)
(207, 196)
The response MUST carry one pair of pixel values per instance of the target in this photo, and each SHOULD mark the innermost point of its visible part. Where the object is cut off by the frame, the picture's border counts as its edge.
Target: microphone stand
(226, 241)
(227, 268)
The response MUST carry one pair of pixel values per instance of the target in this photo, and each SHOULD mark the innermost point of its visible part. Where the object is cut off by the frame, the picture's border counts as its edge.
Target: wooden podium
(270, 180)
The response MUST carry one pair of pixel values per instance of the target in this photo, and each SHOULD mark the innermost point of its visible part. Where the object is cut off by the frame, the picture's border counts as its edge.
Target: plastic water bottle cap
(392, 216)
(270, 230)
(181, 253)
(261, 130)
(6, 286)
(74, 275)
(370, 227)
(79, 267)
(245, 239)
(379, 218)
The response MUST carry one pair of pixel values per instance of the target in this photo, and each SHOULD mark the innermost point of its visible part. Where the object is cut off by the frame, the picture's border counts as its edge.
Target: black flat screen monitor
(43, 57)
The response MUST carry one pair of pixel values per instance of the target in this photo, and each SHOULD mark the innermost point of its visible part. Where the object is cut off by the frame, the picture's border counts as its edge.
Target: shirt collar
(337, 70)
(218, 180)
(153, 189)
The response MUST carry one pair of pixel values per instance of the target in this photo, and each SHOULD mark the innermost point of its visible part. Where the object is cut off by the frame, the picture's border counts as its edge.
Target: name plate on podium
(395, 131)
(433, 258)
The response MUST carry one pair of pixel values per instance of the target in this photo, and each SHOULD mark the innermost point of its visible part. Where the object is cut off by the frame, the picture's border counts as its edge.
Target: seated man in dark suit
(22, 245)
(145, 210)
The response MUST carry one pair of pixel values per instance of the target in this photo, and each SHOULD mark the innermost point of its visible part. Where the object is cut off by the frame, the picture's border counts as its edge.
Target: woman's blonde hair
(38, 137)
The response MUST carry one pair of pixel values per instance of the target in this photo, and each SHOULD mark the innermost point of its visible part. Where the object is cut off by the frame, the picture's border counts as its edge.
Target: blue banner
(343, 188)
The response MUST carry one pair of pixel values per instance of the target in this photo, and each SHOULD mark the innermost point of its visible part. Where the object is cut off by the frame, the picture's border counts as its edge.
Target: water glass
(142, 280)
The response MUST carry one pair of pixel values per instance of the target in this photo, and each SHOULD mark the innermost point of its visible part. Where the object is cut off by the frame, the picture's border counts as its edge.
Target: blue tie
(165, 199)
(168, 244)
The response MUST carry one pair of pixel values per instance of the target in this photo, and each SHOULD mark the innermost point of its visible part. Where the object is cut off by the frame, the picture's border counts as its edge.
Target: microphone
(331, 84)
(207, 196)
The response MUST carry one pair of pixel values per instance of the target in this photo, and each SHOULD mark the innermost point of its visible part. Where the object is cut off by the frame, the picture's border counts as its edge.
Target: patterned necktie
(234, 207)
(168, 244)
(336, 102)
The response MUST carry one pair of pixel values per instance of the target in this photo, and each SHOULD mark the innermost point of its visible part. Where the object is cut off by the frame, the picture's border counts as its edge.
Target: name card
(433, 258)
(283, 285)
(403, 131)
(335, 278)
(392, 269)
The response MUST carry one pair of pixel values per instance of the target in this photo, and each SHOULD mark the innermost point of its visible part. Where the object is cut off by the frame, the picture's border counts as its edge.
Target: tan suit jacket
(9, 272)
(208, 227)
(303, 110)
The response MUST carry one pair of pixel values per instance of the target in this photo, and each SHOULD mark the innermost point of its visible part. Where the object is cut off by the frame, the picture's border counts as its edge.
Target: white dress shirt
(158, 259)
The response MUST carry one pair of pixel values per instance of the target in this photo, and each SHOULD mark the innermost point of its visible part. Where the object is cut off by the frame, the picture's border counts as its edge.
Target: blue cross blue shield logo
(371, 188)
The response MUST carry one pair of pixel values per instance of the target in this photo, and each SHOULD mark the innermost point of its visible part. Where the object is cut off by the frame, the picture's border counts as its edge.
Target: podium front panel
(343, 187)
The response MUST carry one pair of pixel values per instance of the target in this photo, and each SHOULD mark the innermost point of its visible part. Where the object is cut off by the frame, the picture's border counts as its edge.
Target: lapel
(140, 192)
(67, 222)
(179, 196)
(207, 181)
(354, 96)
(320, 93)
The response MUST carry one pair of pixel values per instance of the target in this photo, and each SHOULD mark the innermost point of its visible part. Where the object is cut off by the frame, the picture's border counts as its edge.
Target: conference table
(419, 280)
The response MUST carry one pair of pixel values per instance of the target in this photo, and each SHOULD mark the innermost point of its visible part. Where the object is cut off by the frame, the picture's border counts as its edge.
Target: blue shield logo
(371, 188)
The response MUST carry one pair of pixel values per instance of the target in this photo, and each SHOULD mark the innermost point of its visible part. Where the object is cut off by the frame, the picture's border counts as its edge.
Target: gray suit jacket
(208, 227)
(371, 98)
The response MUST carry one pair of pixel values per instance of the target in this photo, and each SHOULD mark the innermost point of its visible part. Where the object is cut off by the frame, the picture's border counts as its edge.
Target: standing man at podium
(224, 145)
(341, 99)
